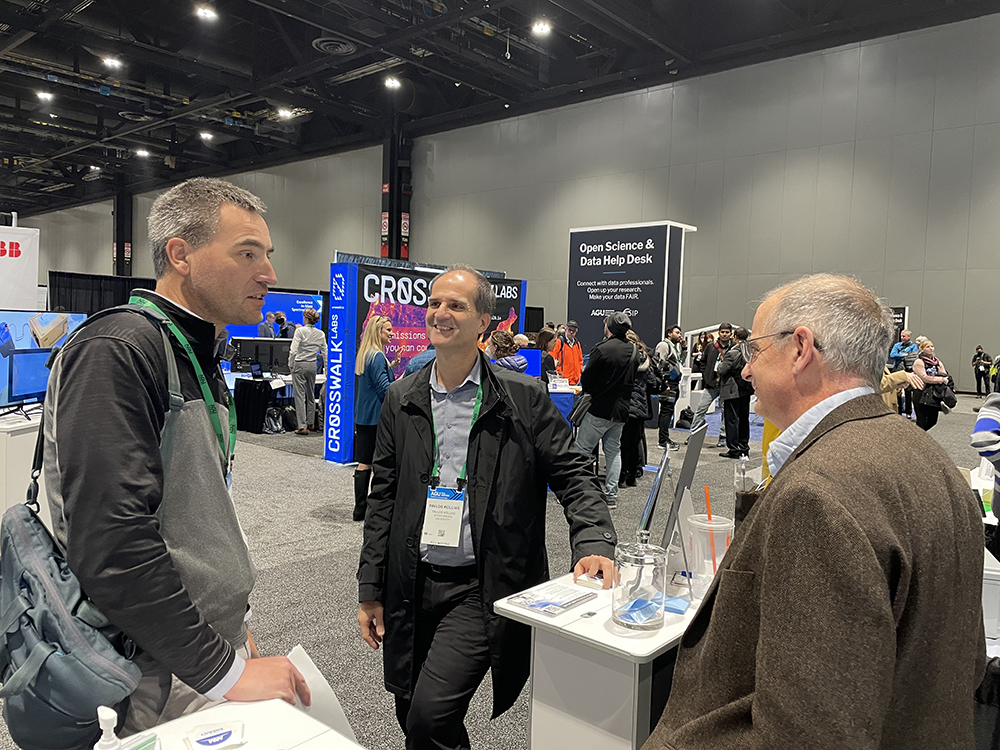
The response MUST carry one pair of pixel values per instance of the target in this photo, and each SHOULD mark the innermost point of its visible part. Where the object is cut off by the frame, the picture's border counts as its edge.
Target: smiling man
(138, 479)
(456, 520)
(846, 613)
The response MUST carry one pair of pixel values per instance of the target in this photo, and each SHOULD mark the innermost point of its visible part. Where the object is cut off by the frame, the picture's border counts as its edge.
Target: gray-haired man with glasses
(847, 611)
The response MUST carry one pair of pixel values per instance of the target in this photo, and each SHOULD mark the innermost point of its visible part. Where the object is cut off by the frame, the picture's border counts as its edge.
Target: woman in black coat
(639, 410)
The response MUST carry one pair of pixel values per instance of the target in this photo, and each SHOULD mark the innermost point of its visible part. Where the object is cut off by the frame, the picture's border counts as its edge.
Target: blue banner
(342, 337)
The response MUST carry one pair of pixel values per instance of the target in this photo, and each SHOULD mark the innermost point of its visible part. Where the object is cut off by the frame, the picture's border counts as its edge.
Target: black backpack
(684, 419)
(273, 421)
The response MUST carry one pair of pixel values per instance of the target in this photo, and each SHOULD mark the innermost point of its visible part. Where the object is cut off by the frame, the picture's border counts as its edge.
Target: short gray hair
(190, 211)
(485, 299)
(852, 325)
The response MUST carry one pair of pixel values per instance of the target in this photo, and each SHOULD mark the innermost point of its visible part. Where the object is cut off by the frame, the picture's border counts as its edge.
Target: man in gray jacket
(137, 478)
(847, 612)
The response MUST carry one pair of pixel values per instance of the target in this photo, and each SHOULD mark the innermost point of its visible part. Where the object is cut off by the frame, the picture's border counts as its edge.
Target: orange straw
(711, 534)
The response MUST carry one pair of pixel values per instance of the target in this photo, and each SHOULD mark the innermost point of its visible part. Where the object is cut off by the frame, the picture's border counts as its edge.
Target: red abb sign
(10, 249)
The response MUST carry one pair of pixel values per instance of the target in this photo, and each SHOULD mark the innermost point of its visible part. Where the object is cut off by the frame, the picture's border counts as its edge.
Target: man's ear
(484, 323)
(805, 348)
(178, 255)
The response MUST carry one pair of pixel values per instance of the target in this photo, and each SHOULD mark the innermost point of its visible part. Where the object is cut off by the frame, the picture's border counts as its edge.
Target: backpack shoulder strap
(173, 385)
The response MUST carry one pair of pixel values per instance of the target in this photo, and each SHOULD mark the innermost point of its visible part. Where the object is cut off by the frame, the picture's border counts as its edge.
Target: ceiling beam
(196, 69)
(623, 16)
(57, 11)
(388, 46)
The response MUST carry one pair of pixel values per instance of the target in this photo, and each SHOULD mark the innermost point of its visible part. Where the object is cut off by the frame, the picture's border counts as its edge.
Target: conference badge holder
(443, 516)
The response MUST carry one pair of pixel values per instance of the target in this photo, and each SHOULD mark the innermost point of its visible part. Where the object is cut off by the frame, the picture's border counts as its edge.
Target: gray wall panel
(876, 84)
(798, 215)
(684, 122)
(703, 260)
(988, 71)
(765, 212)
(77, 239)
(805, 102)
(841, 69)
(913, 103)
(869, 204)
(955, 80)
(737, 189)
(984, 215)
(833, 208)
(771, 117)
(909, 191)
(950, 199)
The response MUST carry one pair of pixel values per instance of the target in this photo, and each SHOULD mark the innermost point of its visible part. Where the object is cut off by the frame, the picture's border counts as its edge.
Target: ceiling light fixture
(53, 115)
(506, 106)
(392, 83)
(45, 96)
(206, 136)
(541, 27)
(94, 168)
(142, 152)
(206, 14)
(284, 114)
(112, 62)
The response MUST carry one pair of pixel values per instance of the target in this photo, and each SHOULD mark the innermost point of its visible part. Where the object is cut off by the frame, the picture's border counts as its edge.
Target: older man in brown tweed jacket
(846, 614)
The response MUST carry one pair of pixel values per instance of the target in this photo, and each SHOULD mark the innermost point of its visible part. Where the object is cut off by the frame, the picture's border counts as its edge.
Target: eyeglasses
(749, 349)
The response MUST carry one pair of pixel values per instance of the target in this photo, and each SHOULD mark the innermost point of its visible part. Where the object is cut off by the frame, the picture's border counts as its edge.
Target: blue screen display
(22, 330)
(28, 374)
(290, 304)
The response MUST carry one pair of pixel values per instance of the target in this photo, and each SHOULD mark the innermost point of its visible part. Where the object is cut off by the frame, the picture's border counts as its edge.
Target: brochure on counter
(552, 599)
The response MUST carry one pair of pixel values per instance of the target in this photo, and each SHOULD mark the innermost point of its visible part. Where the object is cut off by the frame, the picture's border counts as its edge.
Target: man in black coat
(981, 364)
(710, 379)
(608, 380)
(456, 520)
(735, 393)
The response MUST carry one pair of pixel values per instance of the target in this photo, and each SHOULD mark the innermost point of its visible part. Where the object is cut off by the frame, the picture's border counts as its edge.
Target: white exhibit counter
(267, 725)
(592, 681)
(17, 449)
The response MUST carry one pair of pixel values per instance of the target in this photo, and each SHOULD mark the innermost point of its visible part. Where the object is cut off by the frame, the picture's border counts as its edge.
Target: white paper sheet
(325, 706)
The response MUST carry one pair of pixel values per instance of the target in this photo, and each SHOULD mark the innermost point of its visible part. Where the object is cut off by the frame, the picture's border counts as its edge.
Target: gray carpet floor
(296, 510)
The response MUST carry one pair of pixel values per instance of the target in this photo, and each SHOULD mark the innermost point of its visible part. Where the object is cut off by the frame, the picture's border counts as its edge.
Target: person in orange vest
(569, 354)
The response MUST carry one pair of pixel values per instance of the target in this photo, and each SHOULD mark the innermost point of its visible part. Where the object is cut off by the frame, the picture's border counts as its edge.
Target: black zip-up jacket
(104, 447)
(519, 445)
(713, 353)
(608, 378)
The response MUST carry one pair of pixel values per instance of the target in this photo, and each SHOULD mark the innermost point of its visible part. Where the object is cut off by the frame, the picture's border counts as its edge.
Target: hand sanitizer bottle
(107, 718)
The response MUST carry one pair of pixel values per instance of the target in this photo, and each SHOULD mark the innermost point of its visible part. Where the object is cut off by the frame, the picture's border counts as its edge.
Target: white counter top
(591, 623)
(268, 725)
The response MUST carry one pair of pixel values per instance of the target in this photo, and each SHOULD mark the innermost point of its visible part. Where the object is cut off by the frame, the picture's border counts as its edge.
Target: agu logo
(10, 249)
(221, 736)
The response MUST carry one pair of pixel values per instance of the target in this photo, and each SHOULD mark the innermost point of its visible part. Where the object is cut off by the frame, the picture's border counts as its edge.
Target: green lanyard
(436, 471)
(206, 391)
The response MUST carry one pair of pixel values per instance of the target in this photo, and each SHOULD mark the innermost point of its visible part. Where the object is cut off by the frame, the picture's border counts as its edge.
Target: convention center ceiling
(102, 97)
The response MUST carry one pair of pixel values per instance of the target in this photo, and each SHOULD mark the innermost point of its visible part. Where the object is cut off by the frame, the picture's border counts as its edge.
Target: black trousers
(927, 416)
(906, 401)
(451, 656)
(982, 382)
(666, 404)
(736, 412)
(631, 447)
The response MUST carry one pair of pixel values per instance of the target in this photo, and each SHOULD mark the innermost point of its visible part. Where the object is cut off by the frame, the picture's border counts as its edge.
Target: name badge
(443, 517)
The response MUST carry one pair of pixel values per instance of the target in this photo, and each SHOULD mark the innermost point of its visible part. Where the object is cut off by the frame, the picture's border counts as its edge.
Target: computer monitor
(271, 354)
(695, 441)
(27, 375)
